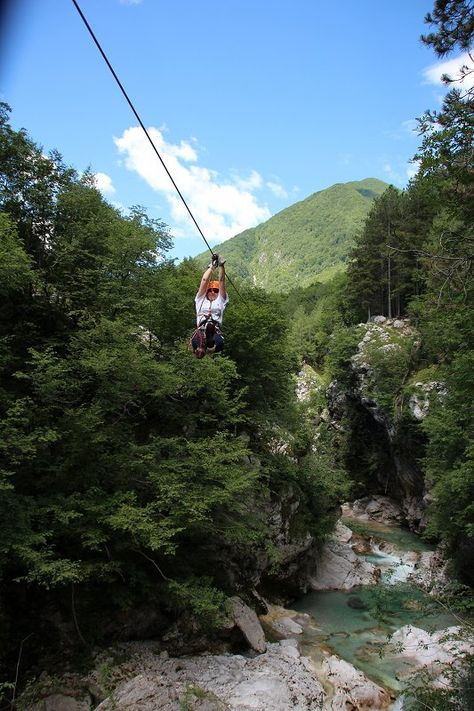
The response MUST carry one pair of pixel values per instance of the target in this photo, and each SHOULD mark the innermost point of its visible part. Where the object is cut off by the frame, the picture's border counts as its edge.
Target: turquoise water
(359, 634)
(404, 539)
(355, 624)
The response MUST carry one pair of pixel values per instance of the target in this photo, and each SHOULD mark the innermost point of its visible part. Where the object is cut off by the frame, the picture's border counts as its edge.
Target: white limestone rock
(430, 572)
(339, 568)
(247, 621)
(280, 680)
(342, 533)
(281, 623)
(434, 652)
(419, 402)
(352, 689)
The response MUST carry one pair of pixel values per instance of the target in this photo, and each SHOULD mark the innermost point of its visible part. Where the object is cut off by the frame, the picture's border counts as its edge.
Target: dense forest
(127, 465)
(130, 470)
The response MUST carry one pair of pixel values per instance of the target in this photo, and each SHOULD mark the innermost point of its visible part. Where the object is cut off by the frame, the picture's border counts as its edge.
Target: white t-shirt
(215, 307)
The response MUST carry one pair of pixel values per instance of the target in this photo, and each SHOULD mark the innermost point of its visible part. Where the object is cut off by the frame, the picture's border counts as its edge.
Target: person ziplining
(211, 300)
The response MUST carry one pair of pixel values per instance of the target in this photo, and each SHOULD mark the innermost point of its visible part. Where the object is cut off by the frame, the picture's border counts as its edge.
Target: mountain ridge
(305, 242)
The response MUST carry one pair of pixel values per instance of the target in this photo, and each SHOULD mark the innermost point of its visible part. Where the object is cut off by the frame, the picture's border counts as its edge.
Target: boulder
(247, 621)
(352, 689)
(342, 533)
(281, 623)
(422, 649)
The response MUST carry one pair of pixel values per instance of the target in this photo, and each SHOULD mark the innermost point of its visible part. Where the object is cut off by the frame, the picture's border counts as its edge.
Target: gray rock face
(339, 568)
(280, 680)
(387, 342)
(149, 693)
(430, 572)
(376, 508)
(61, 702)
(419, 402)
(281, 623)
(240, 568)
(248, 622)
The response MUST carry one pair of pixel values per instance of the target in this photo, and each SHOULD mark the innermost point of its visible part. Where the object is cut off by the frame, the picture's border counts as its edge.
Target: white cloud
(393, 174)
(222, 208)
(103, 182)
(410, 126)
(253, 182)
(130, 2)
(412, 169)
(401, 173)
(433, 73)
(277, 189)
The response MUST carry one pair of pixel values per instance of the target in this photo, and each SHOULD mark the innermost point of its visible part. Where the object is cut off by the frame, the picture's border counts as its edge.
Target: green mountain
(307, 241)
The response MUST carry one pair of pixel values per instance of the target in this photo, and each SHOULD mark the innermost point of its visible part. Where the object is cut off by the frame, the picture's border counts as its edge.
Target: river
(355, 624)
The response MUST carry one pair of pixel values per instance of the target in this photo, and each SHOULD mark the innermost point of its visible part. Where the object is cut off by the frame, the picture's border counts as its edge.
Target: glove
(215, 261)
(220, 261)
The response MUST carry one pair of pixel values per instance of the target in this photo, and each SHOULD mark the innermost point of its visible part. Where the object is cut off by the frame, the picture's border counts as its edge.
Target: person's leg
(210, 333)
(219, 341)
(198, 342)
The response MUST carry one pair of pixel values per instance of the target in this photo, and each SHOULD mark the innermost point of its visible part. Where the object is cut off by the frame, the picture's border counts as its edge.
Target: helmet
(213, 285)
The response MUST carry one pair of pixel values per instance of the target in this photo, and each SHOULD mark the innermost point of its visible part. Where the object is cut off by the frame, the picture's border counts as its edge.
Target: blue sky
(252, 105)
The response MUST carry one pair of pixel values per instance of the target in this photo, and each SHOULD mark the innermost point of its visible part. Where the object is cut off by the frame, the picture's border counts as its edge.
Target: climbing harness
(202, 340)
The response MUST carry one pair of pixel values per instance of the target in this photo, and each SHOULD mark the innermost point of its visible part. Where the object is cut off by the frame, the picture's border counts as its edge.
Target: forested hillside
(307, 242)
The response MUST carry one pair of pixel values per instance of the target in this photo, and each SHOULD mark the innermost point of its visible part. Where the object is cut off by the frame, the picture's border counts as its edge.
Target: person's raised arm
(205, 279)
(222, 289)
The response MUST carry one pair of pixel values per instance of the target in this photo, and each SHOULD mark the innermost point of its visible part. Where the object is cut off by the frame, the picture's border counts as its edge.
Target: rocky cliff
(380, 415)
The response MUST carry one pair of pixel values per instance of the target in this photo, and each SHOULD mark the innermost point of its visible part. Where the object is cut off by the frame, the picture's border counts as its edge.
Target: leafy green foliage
(257, 341)
(119, 451)
(342, 348)
(383, 274)
(389, 356)
(414, 258)
(313, 314)
(207, 604)
(450, 453)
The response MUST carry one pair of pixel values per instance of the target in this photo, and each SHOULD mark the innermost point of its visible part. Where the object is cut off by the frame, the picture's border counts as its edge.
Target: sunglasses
(214, 291)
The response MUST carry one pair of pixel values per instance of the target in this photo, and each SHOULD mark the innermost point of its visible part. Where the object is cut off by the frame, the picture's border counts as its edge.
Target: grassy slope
(307, 241)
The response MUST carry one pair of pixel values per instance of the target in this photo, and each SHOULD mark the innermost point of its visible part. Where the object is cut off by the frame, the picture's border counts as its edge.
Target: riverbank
(353, 642)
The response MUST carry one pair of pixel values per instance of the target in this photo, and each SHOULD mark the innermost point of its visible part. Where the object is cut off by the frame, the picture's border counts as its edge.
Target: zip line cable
(142, 125)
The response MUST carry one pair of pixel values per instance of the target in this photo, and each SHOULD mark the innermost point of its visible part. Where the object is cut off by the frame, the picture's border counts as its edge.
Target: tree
(454, 23)
(382, 274)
